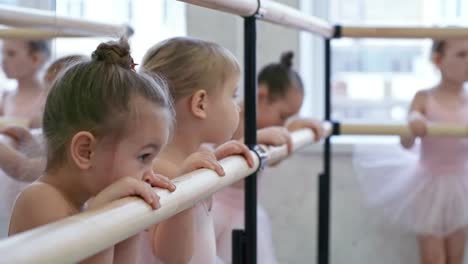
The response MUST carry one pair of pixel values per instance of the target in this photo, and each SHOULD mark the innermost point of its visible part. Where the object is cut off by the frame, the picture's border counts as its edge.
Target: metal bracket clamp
(262, 155)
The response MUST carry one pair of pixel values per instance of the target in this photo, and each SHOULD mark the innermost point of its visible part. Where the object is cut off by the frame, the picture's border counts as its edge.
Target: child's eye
(145, 158)
(461, 54)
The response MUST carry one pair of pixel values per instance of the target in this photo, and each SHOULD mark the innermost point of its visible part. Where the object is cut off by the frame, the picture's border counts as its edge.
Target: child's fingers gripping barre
(314, 125)
(275, 136)
(126, 187)
(417, 124)
(234, 147)
(160, 181)
(202, 160)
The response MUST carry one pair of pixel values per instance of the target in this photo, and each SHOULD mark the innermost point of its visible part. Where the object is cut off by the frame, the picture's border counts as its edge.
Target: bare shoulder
(38, 204)
(165, 167)
(419, 100)
(423, 94)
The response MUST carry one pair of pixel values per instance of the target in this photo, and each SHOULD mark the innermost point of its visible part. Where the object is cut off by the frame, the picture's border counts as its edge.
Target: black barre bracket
(337, 31)
(336, 128)
(262, 155)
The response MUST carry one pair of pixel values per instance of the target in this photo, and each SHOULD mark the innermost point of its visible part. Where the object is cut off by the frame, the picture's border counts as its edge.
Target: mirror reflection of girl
(280, 96)
(23, 60)
(426, 191)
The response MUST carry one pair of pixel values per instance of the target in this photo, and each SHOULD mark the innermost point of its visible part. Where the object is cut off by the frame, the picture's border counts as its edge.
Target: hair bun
(114, 52)
(286, 59)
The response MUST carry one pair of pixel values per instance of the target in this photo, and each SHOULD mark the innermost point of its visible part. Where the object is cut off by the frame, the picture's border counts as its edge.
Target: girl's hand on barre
(314, 125)
(128, 187)
(203, 159)
(417, 124)
(234, 147)
(159, 181)
(274, 136)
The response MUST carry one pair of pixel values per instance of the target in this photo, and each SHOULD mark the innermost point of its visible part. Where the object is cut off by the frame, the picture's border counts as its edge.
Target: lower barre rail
(433, 130)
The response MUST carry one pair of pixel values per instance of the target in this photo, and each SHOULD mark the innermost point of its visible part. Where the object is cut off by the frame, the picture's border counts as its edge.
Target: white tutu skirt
(429, 198)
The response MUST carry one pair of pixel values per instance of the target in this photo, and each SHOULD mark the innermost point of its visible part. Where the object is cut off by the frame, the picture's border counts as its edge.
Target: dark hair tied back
(287, 59)
(280, 77)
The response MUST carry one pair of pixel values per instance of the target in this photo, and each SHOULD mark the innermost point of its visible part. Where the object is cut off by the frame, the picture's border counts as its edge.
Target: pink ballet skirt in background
(424, 189)
(228, 214)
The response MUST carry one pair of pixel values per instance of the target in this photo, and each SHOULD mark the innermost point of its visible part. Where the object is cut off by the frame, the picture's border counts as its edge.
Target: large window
(373, 80)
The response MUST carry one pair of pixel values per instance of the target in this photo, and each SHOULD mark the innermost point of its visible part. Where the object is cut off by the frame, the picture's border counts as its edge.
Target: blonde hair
(94, 95)
(60, 64)
(189, 64)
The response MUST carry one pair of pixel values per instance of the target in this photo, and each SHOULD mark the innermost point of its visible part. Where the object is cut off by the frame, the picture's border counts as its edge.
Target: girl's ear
(82, 147)
(199, 104)
(263, 95)
(437, 59)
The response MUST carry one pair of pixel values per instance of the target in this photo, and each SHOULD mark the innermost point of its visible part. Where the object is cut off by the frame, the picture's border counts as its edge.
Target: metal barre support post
(250, 57)
(323, 214)
(245, 242)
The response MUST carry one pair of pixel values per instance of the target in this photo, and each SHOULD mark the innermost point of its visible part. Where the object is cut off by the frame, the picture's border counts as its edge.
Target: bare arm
(416, 112)
(19, 166)
(173, 240)
(22, 155)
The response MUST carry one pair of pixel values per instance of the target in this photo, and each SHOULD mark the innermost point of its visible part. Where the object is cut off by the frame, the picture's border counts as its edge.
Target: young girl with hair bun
(103, 125)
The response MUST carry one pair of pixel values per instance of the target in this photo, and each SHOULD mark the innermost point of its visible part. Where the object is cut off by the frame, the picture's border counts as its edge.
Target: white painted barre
(28, 17)
(80, 236)
(237, 7)
(302, 138)
(403, 32)
(433, 130)
(270, 11)
(287, 16)
(34, 33)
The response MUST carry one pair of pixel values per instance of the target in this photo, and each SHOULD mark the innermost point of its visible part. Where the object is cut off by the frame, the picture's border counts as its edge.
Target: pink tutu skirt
(426, 196)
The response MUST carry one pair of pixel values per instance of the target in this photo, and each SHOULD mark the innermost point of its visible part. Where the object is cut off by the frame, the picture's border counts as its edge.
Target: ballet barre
(433, 130)
(270, 11)
(403, 32)
(36, 34)
(49, 21)
(13, 121)
(77, 237)
(240, 7)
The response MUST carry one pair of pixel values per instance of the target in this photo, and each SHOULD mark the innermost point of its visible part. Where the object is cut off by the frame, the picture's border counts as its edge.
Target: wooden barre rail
(269, 11)
(433, 130)
(75, 238)
(33, 33)
(27, 17)
(403, 32)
